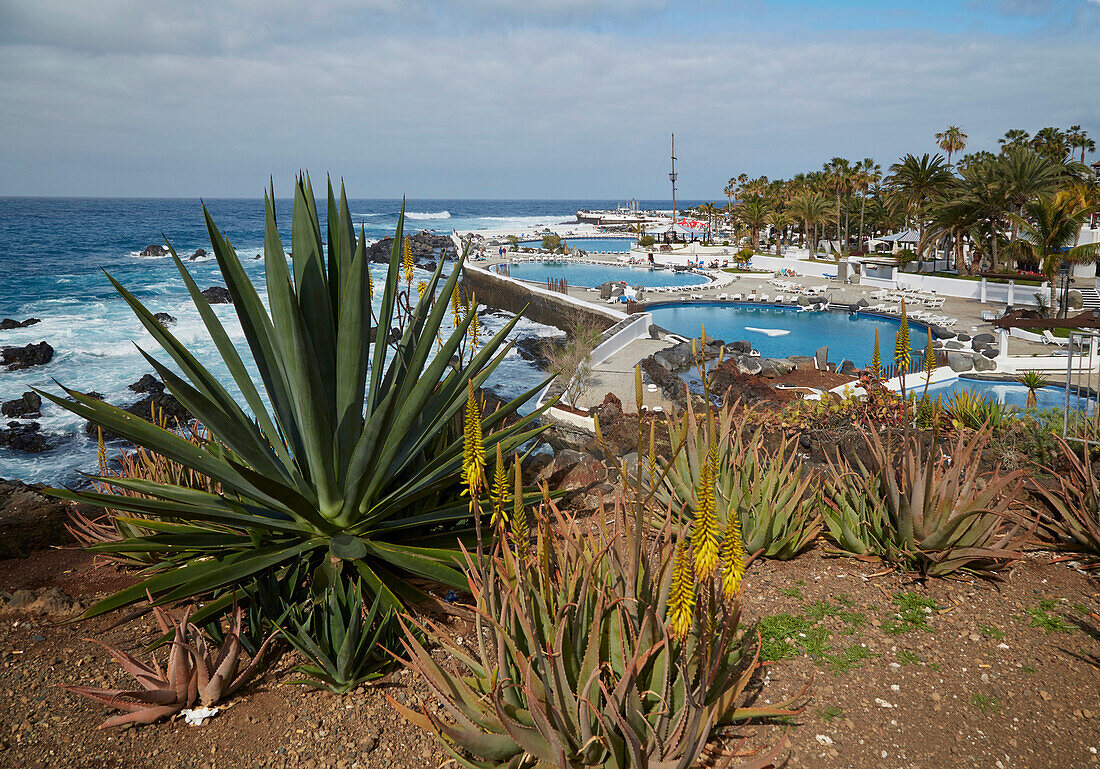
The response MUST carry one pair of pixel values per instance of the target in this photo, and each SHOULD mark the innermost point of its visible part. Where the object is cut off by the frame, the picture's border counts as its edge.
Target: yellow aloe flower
(408, 261)
(500, 490)
(473, 447)
(733, 558)
(704, 535)
(681, 598)
(520, 528)
(456, 306)
(421, 287)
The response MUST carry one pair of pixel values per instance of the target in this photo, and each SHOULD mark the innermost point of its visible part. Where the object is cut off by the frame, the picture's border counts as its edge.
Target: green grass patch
(912, 614)
(1027, 669)
(777, 634)
(1051, 623)
(906, 658)
(985, 703)
(848, 659)
(992, 631)
(739, 271)
(830, 713)
(792, 592)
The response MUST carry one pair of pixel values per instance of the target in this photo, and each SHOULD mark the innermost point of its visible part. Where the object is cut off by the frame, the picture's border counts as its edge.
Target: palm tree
(918, 181)
(978, 202)
(951, 141)
(867, 172)
(753, 213)
(780, 220)
(1052, 143)
(838, 171)
(1014, 138)
(1026, 175)
(1033, 381)
(1049, 227)
(811, 208)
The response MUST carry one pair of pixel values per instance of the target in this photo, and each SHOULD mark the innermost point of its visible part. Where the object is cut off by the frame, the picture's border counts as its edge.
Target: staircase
(1090, 298)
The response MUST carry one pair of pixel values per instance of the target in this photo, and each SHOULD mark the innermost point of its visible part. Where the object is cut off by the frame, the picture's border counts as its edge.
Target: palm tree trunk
(862, 209)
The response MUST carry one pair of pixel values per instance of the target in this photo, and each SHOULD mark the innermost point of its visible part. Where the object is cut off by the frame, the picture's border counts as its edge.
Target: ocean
(54, 251)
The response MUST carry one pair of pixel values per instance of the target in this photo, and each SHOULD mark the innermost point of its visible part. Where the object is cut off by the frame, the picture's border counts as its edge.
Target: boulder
(989, 352)
(573, 470)
(533, 466)
(804, 301)
(218, 295)
(610, 409)
(18, 358)
(768, 368)
(9, 323)
(953, 344)
(747, 365)
(739, 346)
(802, 362)
(962, 337)
(29, 520)
(30, 405)
(199, 254)
(847, 367)
(983, 363)
(863, 303)
(939, 332)
(960, 362)
(821, 358)
(154, 250)
(165, 319)
(23, 436)
(986, 338)
(147, 384)
(156, 397)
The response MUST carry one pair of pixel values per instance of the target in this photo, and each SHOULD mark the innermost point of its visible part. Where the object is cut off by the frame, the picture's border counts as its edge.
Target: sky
(516, 98)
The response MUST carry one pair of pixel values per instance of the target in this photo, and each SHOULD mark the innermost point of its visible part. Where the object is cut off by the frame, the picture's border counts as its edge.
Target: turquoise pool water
(781, 331)
(593, 275)
(591, 245)
(1009, 393)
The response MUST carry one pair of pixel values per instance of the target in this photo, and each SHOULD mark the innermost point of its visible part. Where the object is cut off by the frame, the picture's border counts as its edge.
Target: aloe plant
(921, 510)
(766, 491)
(573, 663)
(1072, 510)
(974, 411)
(355, 452)
(195, 672)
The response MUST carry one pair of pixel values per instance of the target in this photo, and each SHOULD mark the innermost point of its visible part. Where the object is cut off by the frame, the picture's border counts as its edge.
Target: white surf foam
(428, 215)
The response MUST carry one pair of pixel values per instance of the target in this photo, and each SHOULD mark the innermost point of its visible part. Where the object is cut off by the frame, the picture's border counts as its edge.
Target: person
(502, 252)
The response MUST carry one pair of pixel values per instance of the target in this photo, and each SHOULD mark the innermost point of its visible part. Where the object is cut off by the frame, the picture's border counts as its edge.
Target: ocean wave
(428, 215)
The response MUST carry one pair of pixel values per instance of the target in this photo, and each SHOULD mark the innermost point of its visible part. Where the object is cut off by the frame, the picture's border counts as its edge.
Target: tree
(551, 242)
(1052, 143)
(867, 173)
(1014, 139)
(780, 220)
(918, 181)
(951, 141)
(973, 158)
(1078, 138)
(1026, 175)
(811, 208)
(838, 171)
(1049, 226)
(573, 360)
(753, 213)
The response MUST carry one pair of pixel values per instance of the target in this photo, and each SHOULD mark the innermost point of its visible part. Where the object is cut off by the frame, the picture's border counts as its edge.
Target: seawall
(536, 303)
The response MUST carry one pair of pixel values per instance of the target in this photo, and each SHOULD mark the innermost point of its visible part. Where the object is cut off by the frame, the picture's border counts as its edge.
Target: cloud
(171, 106)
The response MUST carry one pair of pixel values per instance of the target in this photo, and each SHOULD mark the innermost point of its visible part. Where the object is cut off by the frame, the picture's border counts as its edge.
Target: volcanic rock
(959, 361)
(218, 295)
(30, 405)
(199, 254)
(821, 358)
(147, 384)
(23, 436)
(983, 363)
(17, 358)
(986, 338)
(29, 521)
(9, 323)
(165, 319)
(154, 250)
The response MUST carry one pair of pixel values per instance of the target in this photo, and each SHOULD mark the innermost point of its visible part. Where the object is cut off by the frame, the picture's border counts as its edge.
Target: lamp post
(1063, 276)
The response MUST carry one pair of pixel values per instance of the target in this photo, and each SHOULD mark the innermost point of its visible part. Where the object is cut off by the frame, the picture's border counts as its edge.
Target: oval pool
(592, 275)
(781, 331)
(591, 245)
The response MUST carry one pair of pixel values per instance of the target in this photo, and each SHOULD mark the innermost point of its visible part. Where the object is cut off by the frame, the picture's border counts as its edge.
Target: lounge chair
(1049, 338)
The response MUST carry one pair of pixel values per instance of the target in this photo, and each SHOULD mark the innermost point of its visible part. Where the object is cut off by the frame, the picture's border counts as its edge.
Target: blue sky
(496, 98)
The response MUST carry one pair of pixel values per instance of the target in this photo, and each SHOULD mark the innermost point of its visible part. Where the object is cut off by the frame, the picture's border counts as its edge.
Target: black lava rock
(165, 319)
(23, 437)
(147, 384)
(9, 323)
(218, 295)
(200, 253)
(30, 405)
(17, 358)
(154, 250)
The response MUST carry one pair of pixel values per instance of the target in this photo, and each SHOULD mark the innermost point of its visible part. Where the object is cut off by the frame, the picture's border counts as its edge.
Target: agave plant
(1072, 511)
(974, 411)
(920, 510)
(353, 451)
(195, 672)
(766, 491)
(344, 645)
(574, 664)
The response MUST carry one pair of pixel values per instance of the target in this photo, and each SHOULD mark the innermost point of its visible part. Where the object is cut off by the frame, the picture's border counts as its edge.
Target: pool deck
(616, 375)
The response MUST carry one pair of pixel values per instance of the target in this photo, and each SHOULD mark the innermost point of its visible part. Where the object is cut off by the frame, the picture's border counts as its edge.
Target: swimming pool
(1009, 393)
(781, 331)
(591, 245)
(591, 275)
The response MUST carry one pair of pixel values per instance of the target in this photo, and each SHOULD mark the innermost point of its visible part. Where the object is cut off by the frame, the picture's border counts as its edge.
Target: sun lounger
(1049, 338)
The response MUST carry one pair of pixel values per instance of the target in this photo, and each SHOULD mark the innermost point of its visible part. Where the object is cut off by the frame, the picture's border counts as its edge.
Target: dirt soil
(954, 674)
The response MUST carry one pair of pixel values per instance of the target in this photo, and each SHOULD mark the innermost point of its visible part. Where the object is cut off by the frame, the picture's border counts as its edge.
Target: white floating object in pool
(652, 388)
(769, 331)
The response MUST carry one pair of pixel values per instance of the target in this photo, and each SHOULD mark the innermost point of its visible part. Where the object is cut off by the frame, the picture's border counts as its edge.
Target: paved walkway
(616, 375)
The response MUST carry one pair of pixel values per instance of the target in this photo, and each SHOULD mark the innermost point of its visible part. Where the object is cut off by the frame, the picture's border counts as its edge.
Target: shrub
(359, 454)
(551, 242)
(585, 655)
(646, 240)
(572, 360)
(920, 510)
(1071, 510)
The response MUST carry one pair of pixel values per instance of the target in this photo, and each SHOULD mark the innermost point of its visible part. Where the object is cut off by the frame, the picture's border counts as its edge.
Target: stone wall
(541, 306)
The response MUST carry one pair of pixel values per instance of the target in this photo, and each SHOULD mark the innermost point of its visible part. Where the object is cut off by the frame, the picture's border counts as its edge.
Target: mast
(672, 178)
